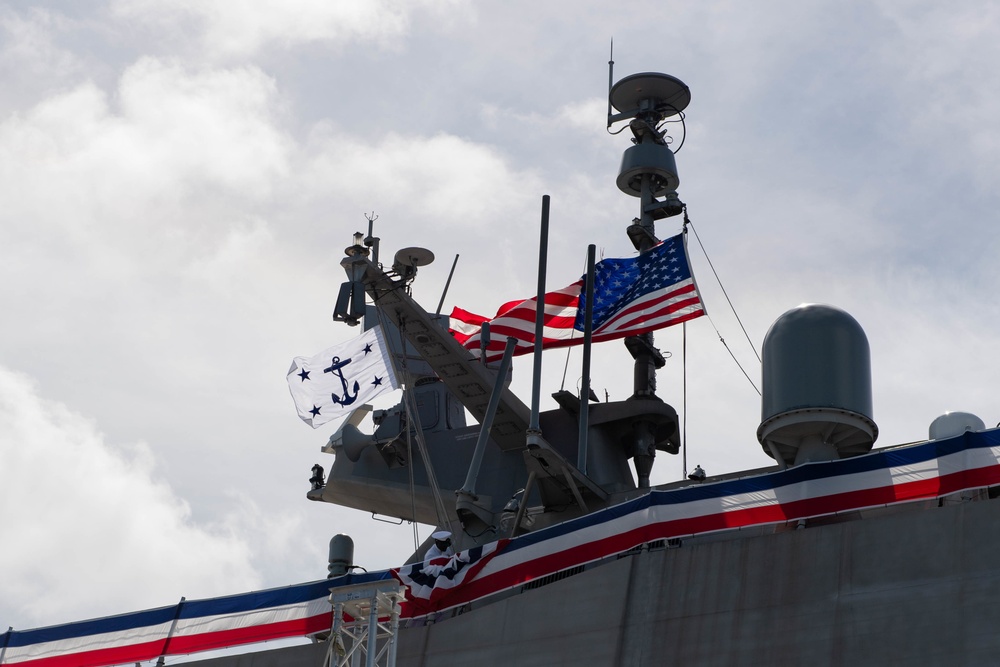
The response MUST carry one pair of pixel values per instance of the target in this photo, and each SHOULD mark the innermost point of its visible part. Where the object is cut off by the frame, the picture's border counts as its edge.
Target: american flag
(632, 296)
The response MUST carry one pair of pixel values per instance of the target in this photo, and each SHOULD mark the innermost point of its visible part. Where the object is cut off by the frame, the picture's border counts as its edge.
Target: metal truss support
(370, 636)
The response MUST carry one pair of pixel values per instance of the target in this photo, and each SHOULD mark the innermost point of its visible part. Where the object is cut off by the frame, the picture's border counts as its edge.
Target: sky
(179, 178)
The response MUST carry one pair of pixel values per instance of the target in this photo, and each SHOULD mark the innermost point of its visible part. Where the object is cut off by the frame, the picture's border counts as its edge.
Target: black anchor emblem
(336, 366)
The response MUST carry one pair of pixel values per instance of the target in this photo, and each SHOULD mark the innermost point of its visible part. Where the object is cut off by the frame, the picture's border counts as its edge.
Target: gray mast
(649, 172)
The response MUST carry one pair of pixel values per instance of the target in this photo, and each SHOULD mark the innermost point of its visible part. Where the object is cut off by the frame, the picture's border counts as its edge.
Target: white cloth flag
(331, 384)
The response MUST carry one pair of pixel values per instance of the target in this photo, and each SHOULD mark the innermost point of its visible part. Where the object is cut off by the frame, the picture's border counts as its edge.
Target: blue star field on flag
(632, 296)
(619, 283)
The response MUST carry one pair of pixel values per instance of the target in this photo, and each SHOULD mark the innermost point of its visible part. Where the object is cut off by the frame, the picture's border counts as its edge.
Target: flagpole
(588, 335)
(536, 377)
(446, 286)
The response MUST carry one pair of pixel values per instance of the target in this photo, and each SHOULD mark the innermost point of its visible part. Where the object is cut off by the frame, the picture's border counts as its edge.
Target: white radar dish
(413, 257)
(407, 260)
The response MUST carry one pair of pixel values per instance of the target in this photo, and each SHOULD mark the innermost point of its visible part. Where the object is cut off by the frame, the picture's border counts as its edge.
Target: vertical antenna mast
(648, 172)
(611, 77)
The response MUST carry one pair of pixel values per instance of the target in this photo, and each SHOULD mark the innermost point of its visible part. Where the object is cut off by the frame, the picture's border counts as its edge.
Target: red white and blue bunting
(917, 472)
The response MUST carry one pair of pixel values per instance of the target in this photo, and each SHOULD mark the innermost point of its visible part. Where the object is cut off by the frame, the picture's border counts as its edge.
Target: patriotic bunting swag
(905, 474)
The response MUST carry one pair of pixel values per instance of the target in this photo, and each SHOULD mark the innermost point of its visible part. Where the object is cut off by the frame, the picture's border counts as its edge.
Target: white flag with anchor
(337, 380)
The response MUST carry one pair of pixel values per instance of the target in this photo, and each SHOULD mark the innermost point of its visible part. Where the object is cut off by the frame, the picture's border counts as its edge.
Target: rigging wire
(684, 399)
(413, 417)
(562, 385)
(688, 223)
(572, 335)
(409, 443)
(726, 345)
(680, 119)
(413, 488)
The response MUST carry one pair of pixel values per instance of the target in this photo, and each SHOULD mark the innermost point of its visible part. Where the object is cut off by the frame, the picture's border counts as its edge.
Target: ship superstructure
(544, 467)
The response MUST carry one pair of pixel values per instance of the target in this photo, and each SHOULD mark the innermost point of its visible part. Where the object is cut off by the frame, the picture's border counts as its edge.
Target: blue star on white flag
(332, 383)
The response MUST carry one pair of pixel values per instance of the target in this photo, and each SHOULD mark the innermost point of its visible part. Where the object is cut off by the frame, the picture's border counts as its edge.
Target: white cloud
(32, 63)
(99, 530)
(134, 226)
(147, 178)
(942, 61)
(240, 29)
(453, 181)
(209, 125)
(223, 268)
(167, 136)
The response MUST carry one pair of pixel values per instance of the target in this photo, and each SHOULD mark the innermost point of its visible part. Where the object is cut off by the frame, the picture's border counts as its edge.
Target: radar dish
(666, 91)
(413, 257)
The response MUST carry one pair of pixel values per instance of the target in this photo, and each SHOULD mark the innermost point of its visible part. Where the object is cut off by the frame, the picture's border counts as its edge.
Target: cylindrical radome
(648, 158)
(816, 392)
(341, 556)
(816, 356)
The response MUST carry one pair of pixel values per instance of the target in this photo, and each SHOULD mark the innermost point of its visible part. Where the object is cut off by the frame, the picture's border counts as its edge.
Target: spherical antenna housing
(816, 397)
(951, 424)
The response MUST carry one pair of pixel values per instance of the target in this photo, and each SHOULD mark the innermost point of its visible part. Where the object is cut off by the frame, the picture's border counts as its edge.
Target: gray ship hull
(915, 585)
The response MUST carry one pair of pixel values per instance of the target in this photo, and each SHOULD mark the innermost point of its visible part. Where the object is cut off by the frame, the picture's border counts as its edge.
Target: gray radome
(341, 555)
(816, 356)
(816, 402)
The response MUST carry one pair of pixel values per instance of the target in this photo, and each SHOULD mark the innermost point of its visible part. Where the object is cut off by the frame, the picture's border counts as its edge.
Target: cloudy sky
(178, 180)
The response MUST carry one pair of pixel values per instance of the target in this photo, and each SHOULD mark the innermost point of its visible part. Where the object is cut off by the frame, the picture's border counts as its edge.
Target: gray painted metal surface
(341, 557)
(909, 585)
(913, 588)
(307, 655)
(816, 356)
